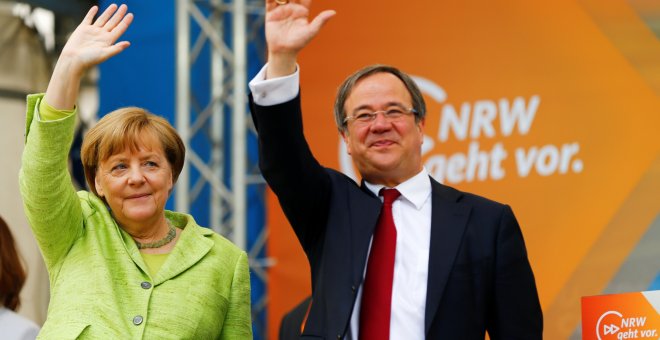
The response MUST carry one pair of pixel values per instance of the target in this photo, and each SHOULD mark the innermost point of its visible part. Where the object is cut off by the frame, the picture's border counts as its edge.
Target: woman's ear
(98, 186)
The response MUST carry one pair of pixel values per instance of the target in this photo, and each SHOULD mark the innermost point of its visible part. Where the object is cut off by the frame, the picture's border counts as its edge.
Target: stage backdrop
(549, 106)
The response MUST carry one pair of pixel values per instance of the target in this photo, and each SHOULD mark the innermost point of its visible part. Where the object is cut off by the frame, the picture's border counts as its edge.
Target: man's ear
(347, 141)
(420, 124)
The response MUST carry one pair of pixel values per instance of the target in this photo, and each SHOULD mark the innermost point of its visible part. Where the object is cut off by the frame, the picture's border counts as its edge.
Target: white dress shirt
(412, 218)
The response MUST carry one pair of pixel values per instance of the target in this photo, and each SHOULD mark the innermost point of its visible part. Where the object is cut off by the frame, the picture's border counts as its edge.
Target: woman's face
(136, 183)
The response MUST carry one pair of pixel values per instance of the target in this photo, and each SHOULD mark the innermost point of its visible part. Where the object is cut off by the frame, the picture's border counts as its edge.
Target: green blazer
(100, 286)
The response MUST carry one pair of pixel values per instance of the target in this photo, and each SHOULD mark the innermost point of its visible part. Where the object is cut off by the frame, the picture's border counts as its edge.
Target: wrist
(67, 68)
(64, 85)
(281, 64)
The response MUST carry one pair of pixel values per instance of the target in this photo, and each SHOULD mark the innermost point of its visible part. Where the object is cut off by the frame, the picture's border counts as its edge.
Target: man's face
(385, 151)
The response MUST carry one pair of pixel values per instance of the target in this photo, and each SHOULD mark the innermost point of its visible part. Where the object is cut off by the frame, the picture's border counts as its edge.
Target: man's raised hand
(289, 30)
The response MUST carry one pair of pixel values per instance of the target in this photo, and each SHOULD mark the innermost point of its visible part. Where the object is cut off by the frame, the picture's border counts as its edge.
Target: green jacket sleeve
(49, 197)
(237, 323)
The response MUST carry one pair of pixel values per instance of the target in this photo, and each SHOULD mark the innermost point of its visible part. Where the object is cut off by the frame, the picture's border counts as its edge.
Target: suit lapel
(364, 216)
(448, 221)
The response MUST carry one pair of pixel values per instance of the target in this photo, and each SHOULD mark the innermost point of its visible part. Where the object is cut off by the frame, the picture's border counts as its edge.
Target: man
(425, 261)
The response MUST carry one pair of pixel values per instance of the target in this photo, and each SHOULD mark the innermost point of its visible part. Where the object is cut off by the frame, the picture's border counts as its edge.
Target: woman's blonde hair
(125, 128)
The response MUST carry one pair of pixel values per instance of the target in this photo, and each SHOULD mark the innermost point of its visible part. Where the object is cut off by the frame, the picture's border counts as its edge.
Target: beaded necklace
(157, 244)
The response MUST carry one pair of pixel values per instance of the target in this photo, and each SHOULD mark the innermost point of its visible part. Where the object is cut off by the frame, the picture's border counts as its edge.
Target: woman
(120, 266)
(12, 278)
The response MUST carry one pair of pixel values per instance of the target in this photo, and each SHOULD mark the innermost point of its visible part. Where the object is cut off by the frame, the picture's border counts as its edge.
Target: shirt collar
(416, 189)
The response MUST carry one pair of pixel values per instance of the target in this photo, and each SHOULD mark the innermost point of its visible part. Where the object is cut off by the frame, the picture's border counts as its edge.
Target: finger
(122, 26)
(321, 19)
(288, 12)
(103, 18)
(270, 5)
(89, 17)
(116, 18)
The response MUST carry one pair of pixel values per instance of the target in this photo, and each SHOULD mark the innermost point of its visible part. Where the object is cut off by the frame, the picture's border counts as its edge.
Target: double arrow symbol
(611, 329)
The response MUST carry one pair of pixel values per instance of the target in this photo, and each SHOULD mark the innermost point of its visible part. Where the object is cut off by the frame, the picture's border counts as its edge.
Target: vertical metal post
(239, 150)
(217, 123)
(182, 202)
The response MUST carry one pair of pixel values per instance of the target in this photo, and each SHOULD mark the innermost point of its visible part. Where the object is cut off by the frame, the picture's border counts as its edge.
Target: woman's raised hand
(91, 43)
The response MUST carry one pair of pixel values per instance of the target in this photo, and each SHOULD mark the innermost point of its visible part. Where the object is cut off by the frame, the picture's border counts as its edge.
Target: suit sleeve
(517, 311)
(301, 184)
(49, 197)
(237, 323)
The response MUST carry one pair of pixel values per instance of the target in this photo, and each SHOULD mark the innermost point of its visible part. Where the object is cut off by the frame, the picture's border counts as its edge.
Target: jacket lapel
(364, 216)
(190, 248)
(448, 221)
(132, 249)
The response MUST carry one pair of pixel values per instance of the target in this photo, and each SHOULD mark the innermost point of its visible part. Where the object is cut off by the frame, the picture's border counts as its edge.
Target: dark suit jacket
(293, 320)
(479, 277)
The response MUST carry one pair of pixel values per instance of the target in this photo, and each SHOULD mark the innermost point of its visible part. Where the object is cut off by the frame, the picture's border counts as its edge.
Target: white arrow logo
(608, 329)
(611, 329)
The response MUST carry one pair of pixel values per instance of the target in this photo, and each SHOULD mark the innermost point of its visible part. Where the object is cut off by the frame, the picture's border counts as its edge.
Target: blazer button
(137, 320)
(145, 285)
(338, 336)
(353, 289)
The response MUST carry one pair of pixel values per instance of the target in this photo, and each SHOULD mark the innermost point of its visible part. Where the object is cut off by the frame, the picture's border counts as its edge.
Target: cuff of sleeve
(267, 92)
(47, 112)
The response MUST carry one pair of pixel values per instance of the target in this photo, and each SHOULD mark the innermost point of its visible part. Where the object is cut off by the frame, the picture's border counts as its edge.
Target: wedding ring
(282, 2)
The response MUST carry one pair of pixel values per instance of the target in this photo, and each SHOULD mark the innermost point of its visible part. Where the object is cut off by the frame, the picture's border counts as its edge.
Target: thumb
(113, 50)
(321, 19)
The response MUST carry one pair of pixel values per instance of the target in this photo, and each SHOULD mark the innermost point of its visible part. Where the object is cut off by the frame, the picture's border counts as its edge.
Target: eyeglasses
(391, 115)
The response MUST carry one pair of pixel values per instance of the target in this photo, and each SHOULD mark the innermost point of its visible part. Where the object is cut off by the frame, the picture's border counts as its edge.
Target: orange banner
(621, 316)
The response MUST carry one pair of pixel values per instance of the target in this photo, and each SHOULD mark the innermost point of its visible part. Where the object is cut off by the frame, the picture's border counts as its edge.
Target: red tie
(377, 289)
